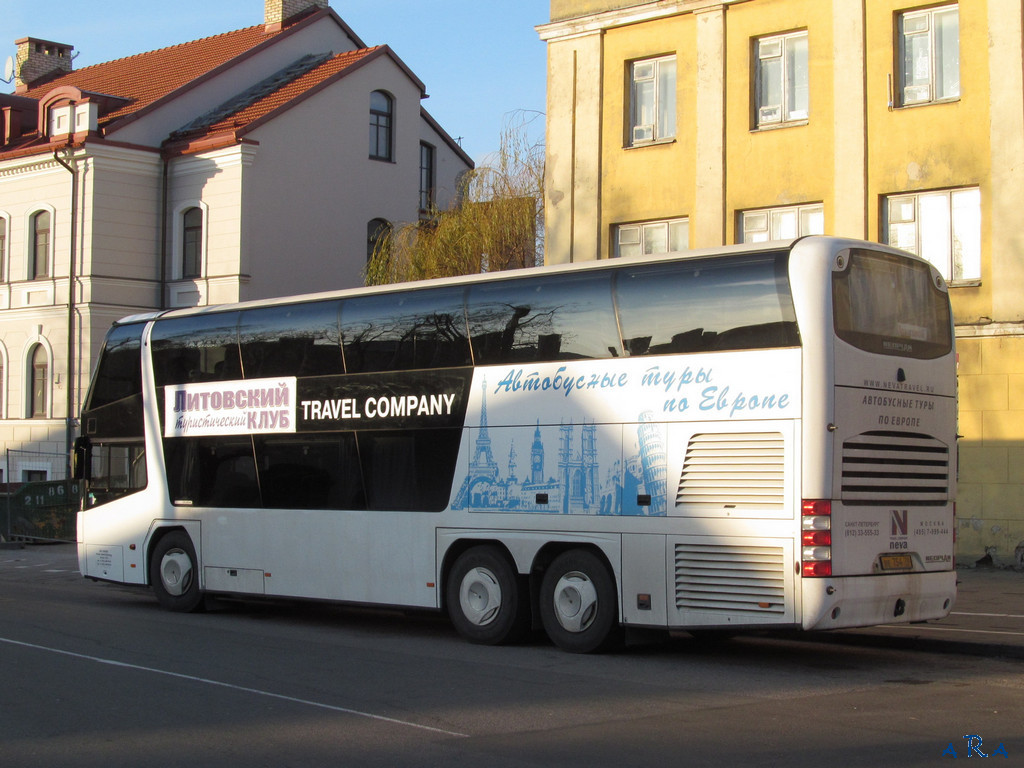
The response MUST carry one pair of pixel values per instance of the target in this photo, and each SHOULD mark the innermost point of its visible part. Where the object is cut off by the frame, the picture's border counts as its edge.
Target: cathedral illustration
(630, 486)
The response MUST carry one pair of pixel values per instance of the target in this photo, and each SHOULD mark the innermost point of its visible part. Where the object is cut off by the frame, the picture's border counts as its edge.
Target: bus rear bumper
(864, 601)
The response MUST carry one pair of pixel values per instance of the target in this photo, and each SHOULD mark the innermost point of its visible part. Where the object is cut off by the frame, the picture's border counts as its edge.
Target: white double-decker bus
(747, 437)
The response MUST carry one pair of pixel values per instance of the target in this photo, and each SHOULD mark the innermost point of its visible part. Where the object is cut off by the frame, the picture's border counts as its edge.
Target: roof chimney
(37, 59)
(277, 12)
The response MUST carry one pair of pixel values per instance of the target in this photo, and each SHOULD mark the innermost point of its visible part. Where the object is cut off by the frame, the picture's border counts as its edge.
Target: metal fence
(38, 509)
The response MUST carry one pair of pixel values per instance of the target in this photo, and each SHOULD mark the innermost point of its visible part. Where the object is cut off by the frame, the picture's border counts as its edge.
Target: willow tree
(496, 224)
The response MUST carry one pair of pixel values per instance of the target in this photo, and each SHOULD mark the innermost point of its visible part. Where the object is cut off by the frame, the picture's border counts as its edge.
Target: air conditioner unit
(771, 114)
(642, 133)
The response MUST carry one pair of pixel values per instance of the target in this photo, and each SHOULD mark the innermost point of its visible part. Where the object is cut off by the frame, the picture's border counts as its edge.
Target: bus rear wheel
(486, 599)
(173, 572)
(579, 603)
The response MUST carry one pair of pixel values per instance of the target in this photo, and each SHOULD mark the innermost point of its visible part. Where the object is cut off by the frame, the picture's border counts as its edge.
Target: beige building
(228, 168)
(676, 124)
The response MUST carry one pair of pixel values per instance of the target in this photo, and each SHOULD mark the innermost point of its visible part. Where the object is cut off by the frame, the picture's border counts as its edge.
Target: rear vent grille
(733, 470)
(882, 467)
(749, 580)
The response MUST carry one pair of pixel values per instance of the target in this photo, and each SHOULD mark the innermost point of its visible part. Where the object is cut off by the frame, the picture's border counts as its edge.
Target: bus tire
(486, 599)
(174, 573)
(579, 603)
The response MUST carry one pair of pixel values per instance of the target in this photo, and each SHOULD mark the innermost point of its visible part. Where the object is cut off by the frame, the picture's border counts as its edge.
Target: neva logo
(899, 522)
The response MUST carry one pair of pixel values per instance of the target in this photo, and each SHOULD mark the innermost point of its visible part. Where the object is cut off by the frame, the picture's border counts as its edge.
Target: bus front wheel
(174, 575)
(486, 599)
(579, 604)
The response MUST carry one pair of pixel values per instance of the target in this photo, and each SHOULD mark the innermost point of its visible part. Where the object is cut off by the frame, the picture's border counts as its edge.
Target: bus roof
(511, 274)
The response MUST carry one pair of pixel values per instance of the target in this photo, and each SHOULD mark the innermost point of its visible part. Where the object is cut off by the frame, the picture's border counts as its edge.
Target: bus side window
(115, 469)
(217, 471)
(409, 470)
(410, 331)
(310, 471)
(704, 306)
(291, 340)
(558, 317)
(196, 348)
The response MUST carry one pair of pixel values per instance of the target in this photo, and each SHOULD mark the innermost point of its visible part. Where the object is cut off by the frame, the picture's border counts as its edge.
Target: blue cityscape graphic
(633, 481)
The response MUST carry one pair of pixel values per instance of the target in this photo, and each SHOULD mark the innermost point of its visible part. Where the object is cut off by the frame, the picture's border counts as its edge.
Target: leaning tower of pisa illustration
(652, 459)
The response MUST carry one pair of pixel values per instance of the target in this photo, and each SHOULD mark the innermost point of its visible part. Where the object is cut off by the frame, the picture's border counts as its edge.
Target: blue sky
(481, 60)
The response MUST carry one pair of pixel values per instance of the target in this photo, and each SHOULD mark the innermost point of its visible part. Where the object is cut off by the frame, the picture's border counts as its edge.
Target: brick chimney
(37, 59)
(277, 12)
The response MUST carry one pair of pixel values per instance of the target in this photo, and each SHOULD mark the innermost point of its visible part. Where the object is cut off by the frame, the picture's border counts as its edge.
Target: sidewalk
(987, 618)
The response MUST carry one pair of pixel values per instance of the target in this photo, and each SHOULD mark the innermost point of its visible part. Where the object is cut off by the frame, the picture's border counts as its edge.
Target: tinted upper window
(291, 340)
(891, 305)
(195, 348)
(405, 331)
(706, 305)
(558, 317)
(119, 373)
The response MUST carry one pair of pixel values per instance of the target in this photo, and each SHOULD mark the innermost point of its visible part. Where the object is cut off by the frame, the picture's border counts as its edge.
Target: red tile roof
(143, 80)
(147, 77)
(232, 127)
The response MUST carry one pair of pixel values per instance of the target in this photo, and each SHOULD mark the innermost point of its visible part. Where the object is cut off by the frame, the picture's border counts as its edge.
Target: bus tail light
(816, 538)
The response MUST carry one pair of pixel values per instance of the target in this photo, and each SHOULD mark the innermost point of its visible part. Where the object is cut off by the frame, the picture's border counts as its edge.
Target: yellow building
(677, 124)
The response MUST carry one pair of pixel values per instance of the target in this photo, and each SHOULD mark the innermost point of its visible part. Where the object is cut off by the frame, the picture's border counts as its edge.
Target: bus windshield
(891, 306)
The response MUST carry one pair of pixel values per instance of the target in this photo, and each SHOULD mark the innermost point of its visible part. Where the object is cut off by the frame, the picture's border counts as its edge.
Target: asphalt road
(97, 675)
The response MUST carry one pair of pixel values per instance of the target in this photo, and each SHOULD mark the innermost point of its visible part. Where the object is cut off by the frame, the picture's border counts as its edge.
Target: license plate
(896, 562)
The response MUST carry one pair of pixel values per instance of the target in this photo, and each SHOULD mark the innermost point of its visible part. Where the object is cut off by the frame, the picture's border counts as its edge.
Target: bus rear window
(891, 305)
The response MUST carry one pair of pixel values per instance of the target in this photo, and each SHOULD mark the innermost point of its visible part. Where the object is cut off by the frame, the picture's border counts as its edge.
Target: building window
(782, 82)
(39, 370)
(929, 55)
(40, 266)
(652, 100)
(3, 248)
(426, 178)
(3, 390)
(651, 237)
(783, 223)
(943, 227)
(192, 243)
(381, 126)
(376, 231)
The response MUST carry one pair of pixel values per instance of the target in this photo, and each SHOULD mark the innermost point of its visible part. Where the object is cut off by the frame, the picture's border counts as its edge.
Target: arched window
(376, 230)
(39, 371)
(381, 126)
(40, 266)
(192, 243)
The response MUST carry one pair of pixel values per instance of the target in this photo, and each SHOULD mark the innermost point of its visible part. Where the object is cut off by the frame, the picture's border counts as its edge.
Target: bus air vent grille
(731, 579)
(882, 467)
(733, 470)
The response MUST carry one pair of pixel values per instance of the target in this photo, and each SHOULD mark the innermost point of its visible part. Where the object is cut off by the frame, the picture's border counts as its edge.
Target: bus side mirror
(80, 459)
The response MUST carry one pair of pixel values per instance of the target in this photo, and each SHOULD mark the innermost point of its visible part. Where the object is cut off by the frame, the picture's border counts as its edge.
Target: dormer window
(60, 120)
(73, 118)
